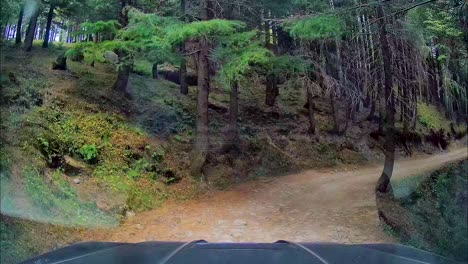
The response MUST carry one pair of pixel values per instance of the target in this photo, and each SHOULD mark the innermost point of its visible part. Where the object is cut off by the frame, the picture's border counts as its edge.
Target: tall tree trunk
(154, 71)
(121, 84)
(12, 31)
(349, 114)
(183, 77)
(28, 40)
(267, 28)
(123, 16)
(383, 184)
(232, 137)
(311, 113)
(271, 90)
(19, 25)
(381, 103)
(183, 62)
(40, 30)
(371, 115)
(7, 31)
(3, 29)
(200, 152)
(50, 16)
(336, 125)
(36, 33)
(202, 137)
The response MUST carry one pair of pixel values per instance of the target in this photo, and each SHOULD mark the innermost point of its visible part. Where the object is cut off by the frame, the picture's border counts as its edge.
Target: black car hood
(243, 253)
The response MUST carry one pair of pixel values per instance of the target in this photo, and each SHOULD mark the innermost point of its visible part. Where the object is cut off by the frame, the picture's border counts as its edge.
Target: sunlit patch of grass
(58, 203)
(431, 118)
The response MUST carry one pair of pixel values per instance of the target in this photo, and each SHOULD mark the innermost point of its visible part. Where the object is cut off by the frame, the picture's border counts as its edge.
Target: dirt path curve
(336, 206)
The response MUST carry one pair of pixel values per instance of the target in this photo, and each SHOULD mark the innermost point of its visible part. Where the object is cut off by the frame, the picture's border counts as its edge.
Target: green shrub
(75, 54)
(143, 67)
(89, 152)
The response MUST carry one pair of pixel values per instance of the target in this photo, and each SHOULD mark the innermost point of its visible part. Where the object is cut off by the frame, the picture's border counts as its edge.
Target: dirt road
(334, 206)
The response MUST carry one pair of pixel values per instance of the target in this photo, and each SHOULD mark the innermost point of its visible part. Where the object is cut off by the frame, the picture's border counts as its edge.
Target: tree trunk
(50, 16)
(371, 115)
(40, 31)
(19, 25)
(202, 137)
(311, 115)
(348, 119)
(28, 40)
(232, 137)
(13, 31)
(200, 152)
(336, 125)
(183, 62)
(7, 31)
(36, 33)
(10, 31)
(183, 77)
(271, 90)
(383, 184)
(123, 16)
(154, 71)
(4, 30)
(121, 84)
(267, 29)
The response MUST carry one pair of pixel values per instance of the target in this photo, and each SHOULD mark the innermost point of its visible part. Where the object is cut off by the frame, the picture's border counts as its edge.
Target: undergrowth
(58, 202)
(117, 155)
(439, 213)
(431, 118)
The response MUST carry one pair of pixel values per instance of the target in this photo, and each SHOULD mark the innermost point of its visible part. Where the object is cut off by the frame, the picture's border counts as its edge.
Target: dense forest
(144, 100)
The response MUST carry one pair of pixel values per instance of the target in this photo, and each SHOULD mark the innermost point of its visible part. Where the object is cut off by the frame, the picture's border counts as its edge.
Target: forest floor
(316, 205)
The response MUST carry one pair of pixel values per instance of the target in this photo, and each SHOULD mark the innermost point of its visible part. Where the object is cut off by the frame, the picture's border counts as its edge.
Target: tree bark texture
(154, 71)
(50, 17)
(202, 137)
(121, 84)
(271, 90)
(311, 113)
(232, 134)
(183, 62)
(28, 41)
(383, 184)
(19, 26)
